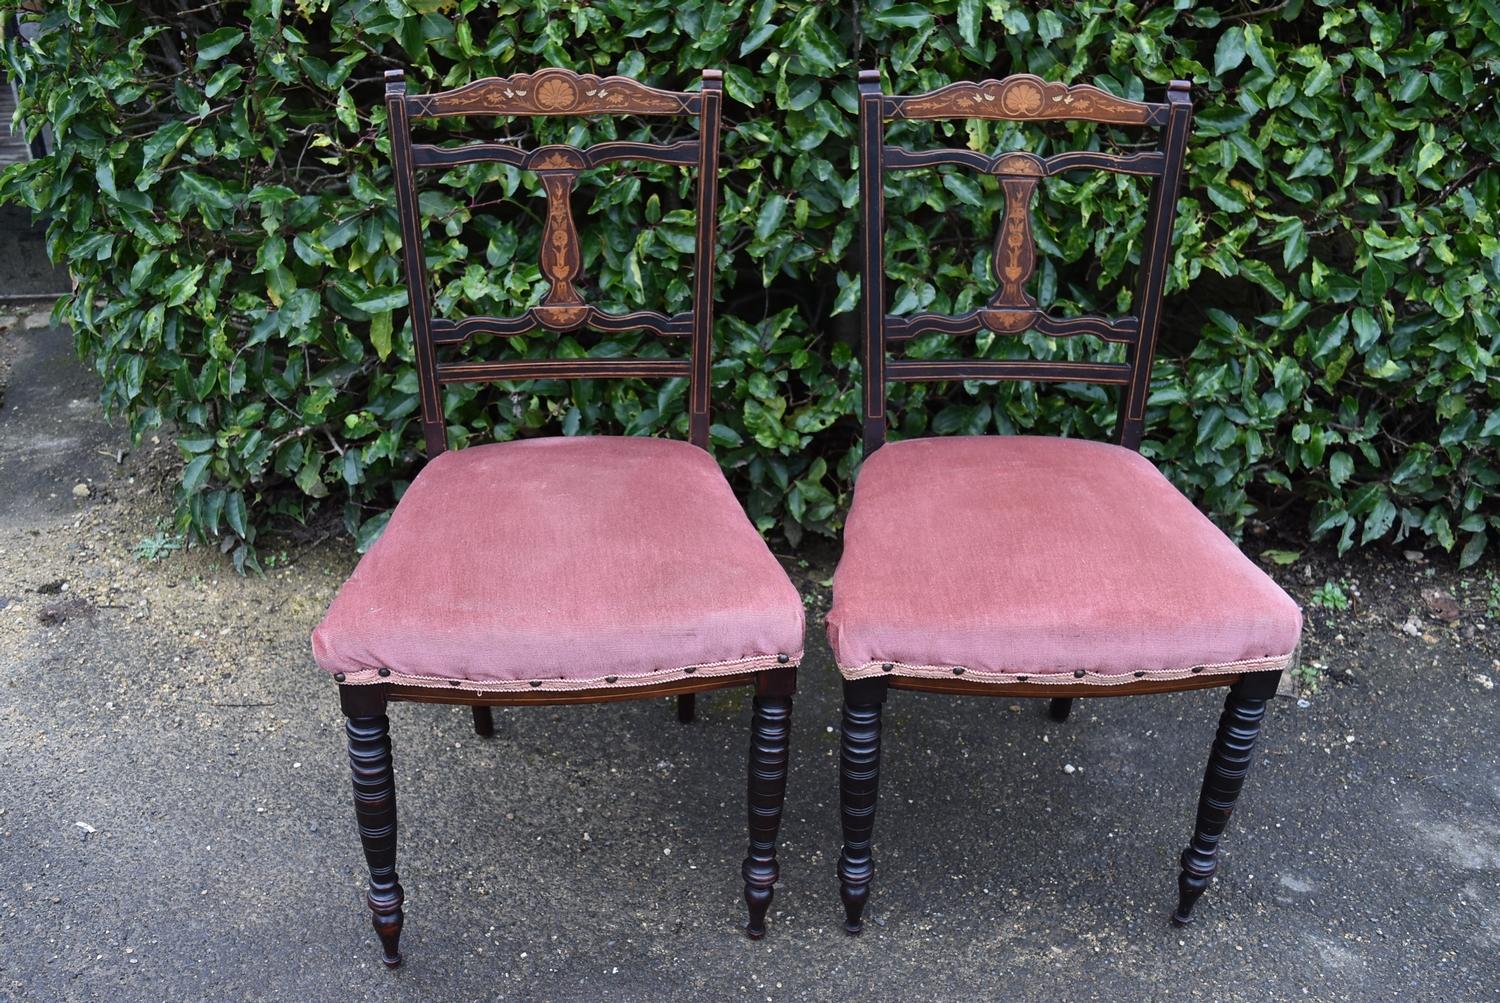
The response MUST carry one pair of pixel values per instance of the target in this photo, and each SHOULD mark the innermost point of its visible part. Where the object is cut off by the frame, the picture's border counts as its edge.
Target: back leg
(1059, 709)
(687, 707)
(484, 722)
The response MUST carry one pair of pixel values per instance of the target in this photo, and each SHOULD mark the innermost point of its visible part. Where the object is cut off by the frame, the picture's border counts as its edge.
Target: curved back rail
(557, 92)
(1012, 309)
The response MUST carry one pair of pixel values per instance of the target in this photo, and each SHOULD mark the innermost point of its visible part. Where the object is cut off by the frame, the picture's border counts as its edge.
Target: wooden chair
(561, 570)
(1035, 566)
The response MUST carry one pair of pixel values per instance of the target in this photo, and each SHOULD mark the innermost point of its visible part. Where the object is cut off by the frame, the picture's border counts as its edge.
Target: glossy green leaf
(1230, 51)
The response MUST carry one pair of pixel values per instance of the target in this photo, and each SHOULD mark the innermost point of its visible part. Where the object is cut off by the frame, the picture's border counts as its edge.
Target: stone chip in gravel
(1441, 605)
(56, 613)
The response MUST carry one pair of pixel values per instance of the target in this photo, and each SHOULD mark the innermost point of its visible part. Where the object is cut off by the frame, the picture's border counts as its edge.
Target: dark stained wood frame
(554, 91)
(1011, 311)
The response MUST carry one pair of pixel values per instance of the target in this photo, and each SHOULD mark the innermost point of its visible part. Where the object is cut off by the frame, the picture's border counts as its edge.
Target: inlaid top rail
(1023, 98)
(552, 91)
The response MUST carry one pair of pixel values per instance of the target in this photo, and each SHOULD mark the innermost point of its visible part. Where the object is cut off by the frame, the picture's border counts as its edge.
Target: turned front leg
(859, 781)
(1228, 763)
(770, 732)
(368, 729)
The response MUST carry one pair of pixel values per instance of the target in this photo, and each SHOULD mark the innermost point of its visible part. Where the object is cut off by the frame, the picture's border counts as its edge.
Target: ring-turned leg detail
(1228, 763)
(770, 731)
(375, 811)
(859, 780)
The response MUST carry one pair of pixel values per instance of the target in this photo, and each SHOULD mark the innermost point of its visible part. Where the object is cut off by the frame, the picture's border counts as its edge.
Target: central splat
(1012, 309)
(561, 261)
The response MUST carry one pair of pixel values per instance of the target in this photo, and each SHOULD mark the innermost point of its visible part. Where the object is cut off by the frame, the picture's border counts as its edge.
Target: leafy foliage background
(220, 192)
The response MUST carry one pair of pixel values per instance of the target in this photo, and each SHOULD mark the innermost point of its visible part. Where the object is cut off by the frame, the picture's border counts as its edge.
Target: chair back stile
(1012, 310)
(557, 92)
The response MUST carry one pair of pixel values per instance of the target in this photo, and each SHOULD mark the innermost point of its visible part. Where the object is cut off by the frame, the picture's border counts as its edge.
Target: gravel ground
(175, 821)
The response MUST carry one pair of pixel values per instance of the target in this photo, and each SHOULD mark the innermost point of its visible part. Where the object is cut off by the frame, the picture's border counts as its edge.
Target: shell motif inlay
(556, 94)
(1024, 96)
(553, 91)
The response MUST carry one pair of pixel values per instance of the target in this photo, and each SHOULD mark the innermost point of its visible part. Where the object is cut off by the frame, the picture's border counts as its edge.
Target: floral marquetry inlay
(560, 258)
(556, 158)
(554, 91)
(1024, 164)
(560, 318)
(1024, 97)
(1015, 250)
(1007, 321)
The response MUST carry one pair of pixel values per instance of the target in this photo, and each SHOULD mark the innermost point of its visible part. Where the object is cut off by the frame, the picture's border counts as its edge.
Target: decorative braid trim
(753, 663)
(1066, 677)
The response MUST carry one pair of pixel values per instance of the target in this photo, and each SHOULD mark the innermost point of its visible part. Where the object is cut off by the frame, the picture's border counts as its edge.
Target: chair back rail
(557, 92)
(1012, 310)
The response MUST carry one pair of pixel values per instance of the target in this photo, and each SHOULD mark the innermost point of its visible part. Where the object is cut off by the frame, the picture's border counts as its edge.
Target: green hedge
(220, 193)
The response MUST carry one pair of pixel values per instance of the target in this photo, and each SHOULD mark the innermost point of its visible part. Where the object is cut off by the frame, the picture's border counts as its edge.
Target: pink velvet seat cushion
(1056, 560)
(563, 563)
